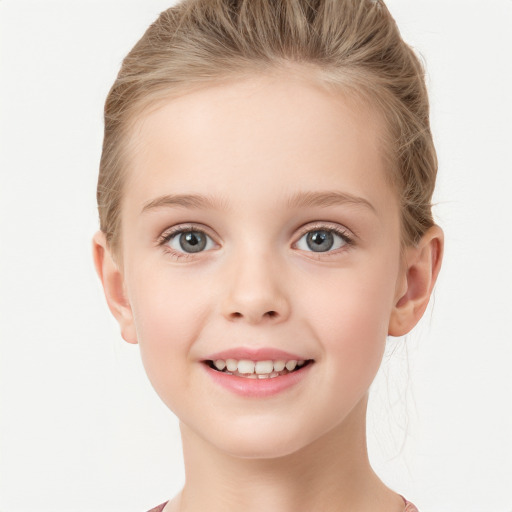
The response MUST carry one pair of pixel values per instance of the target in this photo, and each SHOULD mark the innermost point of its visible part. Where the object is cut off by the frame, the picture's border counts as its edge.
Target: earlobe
(422, 265)
(111, 278)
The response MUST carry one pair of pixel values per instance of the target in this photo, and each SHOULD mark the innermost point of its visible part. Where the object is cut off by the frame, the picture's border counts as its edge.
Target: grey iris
(320, 241)
(192, 241)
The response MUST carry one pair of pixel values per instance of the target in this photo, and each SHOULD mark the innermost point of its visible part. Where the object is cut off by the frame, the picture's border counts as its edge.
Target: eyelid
(326, 226)
(347, 235)
(169, 233)
(184, 228)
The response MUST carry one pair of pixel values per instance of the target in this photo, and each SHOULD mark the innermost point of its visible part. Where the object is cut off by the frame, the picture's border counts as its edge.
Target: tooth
(279, 366)
(245, 366)
(263, 376)
(251, 376)
(290, 365)
(231, 365)
(273, 375)
(264, 367)
(301, 362)
(220, 364)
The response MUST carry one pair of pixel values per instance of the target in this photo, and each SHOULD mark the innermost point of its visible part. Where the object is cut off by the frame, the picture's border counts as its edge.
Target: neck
(331, 474)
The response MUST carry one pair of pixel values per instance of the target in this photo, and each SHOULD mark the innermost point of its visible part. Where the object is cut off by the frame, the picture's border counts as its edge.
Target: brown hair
(353, 45)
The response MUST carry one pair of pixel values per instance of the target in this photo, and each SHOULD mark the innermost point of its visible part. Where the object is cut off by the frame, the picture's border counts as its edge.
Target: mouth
(268, 369)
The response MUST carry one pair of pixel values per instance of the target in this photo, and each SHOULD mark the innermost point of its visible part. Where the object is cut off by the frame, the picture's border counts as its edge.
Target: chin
(260, 448)
(261, 440)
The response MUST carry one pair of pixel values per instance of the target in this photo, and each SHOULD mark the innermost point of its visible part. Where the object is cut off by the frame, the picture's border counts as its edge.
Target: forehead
(256, 138)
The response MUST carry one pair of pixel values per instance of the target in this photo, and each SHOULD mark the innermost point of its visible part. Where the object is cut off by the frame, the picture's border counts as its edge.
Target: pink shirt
(409, 507)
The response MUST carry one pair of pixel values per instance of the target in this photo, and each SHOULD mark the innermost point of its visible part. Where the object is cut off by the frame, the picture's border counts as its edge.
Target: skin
(250, 146)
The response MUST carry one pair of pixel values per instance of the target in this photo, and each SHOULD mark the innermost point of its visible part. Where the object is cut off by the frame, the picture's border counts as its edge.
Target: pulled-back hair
(352, 45)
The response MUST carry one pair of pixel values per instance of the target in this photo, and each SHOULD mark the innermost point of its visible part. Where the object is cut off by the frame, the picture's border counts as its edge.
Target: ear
(113, 285)
(422, 263)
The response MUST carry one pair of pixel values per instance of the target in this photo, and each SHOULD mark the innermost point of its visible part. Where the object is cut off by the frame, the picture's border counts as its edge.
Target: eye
(323, 240)
(188, 241)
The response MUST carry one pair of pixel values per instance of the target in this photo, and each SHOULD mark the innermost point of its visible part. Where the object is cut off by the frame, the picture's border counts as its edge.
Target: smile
(257, 374)
(248, 369)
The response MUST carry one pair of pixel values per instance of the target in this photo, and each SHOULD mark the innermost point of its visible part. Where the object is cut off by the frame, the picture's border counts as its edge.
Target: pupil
(320, 241)
(193, 241)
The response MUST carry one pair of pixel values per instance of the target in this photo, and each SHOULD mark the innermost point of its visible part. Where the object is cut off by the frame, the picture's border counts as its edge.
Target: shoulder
(159, 508)
(409, 507)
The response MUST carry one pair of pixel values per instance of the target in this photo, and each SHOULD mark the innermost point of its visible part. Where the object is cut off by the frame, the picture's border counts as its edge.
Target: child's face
(260, 172)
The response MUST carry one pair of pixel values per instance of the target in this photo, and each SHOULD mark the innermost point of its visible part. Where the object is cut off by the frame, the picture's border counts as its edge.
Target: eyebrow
(184, 201)
(297, 200)
(326, 199)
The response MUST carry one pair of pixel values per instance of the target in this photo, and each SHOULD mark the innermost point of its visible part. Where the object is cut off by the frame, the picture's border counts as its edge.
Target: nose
(255, 291)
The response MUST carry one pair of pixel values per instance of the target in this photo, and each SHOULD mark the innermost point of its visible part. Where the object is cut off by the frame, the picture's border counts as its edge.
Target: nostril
(269, 314)
(253, 317)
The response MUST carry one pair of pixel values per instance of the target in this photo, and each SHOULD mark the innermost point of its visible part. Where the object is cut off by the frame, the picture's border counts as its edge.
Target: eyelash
(167, 236)
(343, 233)
(163, 239)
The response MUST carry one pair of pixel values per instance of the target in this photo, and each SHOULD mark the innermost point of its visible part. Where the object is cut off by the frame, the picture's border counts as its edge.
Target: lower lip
(257, 388)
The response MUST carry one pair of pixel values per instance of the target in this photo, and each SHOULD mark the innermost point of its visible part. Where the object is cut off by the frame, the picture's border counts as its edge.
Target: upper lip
(255, 354)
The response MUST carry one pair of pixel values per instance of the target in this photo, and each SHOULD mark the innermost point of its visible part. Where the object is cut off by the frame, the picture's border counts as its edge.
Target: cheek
(168, 314)
(350, 317)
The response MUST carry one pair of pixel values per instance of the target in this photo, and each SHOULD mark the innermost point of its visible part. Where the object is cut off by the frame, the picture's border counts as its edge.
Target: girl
(264, 199)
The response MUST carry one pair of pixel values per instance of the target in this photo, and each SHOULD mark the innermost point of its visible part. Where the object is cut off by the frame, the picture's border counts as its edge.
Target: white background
(82, 430)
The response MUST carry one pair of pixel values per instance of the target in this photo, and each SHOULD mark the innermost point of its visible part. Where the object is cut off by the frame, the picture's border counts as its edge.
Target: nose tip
(255, 294)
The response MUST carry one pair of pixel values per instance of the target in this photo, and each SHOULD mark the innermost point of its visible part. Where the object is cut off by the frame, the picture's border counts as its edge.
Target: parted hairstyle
(353, 46)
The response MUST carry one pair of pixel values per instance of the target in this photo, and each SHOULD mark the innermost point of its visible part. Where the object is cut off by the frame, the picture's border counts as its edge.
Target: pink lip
(255, 354)
(257, 388)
